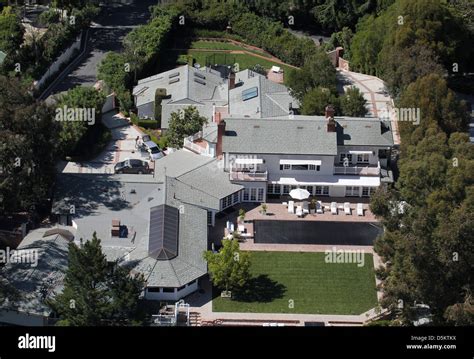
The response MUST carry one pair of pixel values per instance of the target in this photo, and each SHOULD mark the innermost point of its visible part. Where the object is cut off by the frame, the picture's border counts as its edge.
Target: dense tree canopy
(27, 148)
(229, 268)
(97, 293)
(184, 123)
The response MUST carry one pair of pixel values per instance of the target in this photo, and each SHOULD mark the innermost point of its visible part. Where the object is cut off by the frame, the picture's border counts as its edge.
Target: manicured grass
(307, 281)
(221, 45)
(244, 60)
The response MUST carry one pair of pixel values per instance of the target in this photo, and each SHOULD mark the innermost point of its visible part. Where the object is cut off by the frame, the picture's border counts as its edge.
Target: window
(168, 290)
(286, 189)
(312, 167)
(310, 189)
(261, 193)
(299, 167)
(343, 156)
(285, 167)
(363, 158)
(277, 189)
(235, 198)
(209, 218)
(352, 191)
(270, 189)
(253, 194)
(153, 289)
(367, 191)
(246, 194)
(294, 187)
(249, 93)
(322, 190)
(181, 288)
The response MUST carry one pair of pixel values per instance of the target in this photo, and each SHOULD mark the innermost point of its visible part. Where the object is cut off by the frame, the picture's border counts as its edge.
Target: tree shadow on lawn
(260, 289)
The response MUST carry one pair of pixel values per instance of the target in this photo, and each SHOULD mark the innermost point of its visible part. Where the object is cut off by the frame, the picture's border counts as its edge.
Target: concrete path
(379, 102)
(120, 148)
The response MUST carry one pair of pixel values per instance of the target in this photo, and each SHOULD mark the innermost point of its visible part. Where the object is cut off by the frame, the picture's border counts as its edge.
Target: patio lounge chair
(291, 207)
(299, 211)
(347, 208)
(333, 208)
(305, 207)
(319, 207)
(360, 209)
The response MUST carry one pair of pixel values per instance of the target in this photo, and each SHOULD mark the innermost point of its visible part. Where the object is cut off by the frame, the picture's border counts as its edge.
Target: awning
(360, 152)
(248, 161)
(361, 181)
(301, 162)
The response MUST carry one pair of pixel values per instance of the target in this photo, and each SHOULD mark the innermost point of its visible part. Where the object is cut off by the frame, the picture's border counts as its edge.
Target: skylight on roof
(249, 93)
(174, 81)
(199, 81)
(174, 74)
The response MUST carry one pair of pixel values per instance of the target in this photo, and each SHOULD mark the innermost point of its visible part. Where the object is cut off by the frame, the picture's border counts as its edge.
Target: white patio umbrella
(299, 193)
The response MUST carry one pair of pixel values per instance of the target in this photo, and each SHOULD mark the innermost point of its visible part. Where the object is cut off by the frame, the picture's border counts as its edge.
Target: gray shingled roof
(100, 199)
(202, 88)
(273, 99)
(276, 136)
(35, 284)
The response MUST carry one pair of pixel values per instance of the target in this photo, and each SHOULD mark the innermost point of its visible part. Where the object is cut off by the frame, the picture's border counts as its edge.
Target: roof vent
(300, 127)
(256, 126)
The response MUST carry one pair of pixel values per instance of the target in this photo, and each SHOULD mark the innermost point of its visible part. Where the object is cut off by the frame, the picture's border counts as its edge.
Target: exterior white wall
(56, 65)
(253, 184)
(373, 157)
(337, 191)
(177, 295)
(22, 319)
(109, 104)
(272, 162)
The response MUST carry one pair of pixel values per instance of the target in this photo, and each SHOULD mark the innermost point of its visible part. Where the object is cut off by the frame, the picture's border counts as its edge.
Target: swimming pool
(317, 232)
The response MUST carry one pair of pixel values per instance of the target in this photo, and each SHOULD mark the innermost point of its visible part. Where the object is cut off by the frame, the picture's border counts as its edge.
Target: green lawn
(304, 279)
(244, 60)
(221, 45)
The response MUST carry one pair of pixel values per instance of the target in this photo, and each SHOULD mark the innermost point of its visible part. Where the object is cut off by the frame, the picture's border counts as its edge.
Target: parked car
(132, 166)
(153, 150)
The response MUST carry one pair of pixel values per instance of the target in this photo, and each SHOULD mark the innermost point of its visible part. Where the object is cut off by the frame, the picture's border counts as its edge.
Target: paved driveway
(121, 147)
(379, 102)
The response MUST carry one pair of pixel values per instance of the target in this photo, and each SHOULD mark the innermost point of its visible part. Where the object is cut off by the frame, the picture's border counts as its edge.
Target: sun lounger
(299, 211)
(319, 207)
(305, 207)
(291, 207)
(347, 208)
(333, 208)
(360, 209)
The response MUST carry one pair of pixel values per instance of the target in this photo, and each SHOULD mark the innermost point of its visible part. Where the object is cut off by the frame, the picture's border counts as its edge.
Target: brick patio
(279, 212)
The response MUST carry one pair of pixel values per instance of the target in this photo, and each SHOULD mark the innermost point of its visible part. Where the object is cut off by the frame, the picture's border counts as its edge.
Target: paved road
(106, 34)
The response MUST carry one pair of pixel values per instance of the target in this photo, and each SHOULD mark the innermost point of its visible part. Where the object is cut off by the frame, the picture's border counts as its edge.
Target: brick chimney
(331, 123)
(217, 117)
(220, 135)
(231, 81)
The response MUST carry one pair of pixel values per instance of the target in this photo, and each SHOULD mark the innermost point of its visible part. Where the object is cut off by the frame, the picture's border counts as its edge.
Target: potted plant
(312, 206)
(264, 209)
(241, 215)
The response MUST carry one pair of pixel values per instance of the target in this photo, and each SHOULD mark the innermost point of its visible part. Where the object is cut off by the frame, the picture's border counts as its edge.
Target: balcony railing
(190, 145)
(248, 176)
(357, 170)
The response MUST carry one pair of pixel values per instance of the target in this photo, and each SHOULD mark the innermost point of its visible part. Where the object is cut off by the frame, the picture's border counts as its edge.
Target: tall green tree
(96, 293)
(353, 103)
(316, 100)
(229, 268)
(28, 148)
(184, 123)
(80, 97)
